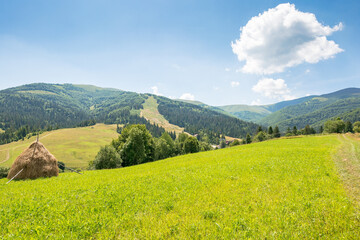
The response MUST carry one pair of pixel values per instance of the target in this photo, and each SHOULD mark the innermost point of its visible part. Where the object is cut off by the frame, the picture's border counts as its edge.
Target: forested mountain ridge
(316, 110)
(49, 106)
(311, 110)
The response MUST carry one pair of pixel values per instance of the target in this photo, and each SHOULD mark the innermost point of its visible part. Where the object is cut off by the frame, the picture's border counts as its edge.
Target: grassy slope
(151, 113)
(287, 189)
(73, 146)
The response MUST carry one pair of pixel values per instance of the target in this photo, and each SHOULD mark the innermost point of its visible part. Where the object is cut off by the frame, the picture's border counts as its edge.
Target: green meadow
(73, 146)
(279, 189)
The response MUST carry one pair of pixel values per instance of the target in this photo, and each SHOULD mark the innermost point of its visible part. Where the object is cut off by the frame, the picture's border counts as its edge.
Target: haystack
(36, 161)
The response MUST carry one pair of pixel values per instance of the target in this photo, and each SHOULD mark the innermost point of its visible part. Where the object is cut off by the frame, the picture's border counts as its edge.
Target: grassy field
(280, 189)
(348, 163)
(74, 146)
(150, 112)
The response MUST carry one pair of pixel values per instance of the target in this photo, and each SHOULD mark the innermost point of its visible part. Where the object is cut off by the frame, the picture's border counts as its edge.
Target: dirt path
(21, 145)
(7, 155)
(347, 159)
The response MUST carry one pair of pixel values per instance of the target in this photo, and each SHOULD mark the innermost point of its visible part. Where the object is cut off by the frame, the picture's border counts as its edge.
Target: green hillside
(312, 110)
(195, 119)
(27, 108)
(73, 146)
(246, 112)
(281, 189)
(316, 110)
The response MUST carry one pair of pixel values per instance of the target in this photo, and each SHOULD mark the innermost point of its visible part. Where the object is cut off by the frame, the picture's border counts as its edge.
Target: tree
(277, 132)
(248, 139)
(106, 158)
(288, 131)
(356, 127)
(348, 127)
(135, 145)
(179, 143)
(308, 130)
(261, 136)
(321, 129)
(222, 144)
(270, 131)
(259, 129)
(334, 126)
(191, 145)
(295, 131)
(168, 139)
(204, 146)
(162, 149)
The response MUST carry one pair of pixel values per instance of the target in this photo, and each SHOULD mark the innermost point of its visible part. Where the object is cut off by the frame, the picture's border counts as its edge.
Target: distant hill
(312, 110)
(52, 106)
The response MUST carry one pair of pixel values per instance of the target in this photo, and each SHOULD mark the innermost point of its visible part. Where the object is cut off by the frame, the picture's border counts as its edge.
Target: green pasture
(73, 146)
(279, 189)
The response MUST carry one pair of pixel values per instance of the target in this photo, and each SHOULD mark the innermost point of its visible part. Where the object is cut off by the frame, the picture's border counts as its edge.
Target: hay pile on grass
(36, 161)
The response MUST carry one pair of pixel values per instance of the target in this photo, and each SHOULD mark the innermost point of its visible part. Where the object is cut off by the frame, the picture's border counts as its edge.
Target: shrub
(4, 172)
(107, 157)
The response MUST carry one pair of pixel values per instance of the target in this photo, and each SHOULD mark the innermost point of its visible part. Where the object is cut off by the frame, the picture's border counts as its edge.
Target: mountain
(310, 110)
(49, 106)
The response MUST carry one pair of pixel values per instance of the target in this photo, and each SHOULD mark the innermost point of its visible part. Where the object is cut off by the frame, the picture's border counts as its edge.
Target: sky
(217, 52)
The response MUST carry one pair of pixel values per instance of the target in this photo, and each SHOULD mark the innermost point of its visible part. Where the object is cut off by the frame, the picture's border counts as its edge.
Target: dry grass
(35, 162)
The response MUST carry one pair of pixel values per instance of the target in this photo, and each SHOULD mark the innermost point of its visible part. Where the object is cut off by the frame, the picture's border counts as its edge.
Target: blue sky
(183, 48)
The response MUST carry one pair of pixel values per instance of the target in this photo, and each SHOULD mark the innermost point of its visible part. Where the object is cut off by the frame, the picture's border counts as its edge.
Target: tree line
(135, 145)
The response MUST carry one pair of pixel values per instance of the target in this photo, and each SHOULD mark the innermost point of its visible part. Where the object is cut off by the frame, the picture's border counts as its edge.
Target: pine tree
(277, 132)
(248, 139)
(270, 131)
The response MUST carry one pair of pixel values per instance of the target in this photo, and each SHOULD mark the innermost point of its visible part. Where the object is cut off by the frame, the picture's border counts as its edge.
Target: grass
(280, 189)
(348, 163)
(151, 113)
(74, 146)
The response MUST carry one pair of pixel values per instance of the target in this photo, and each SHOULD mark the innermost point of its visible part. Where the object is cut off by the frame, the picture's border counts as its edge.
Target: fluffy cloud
(283, 37)
(234, 84)
(273, 88)
(155, 90)
(187, 96)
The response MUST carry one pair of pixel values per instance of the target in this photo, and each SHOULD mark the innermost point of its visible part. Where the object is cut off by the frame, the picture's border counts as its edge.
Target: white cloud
(273, 88)
(307, 71)
(227, 69)
(234, 84)
(283, 37)
(187, 96)
(155, 90)
(256, 102)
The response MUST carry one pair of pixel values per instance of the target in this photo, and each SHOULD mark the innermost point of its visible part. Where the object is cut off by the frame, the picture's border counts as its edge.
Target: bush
(356, 127)
(4, 172)
(235, 143)
(106, 158)
(191, 145)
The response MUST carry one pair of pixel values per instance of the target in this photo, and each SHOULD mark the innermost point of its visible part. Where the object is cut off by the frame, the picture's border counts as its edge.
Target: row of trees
(340, 126)
(135, 145)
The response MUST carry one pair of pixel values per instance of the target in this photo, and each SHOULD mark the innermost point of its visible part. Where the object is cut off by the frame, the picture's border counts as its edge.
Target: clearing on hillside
(73, 146)
(151, 113)
(280, 189)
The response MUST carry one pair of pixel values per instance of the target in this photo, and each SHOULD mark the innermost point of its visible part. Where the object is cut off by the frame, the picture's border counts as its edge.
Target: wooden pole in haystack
(15, 176)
